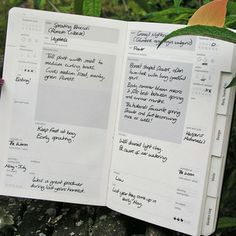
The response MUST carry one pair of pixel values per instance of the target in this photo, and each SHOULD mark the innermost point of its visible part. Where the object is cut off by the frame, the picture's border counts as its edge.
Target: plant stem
(125, 5)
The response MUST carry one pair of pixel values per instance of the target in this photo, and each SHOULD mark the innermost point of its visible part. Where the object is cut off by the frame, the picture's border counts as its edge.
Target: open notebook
(93, 113)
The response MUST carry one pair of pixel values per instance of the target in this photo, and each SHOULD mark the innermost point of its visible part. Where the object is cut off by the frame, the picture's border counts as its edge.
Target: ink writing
(62, 32)
(15, 167)
(153, 39)
(18, 144)
(188, 174)
(195, 136)
(72, 66)
(57, 185)
(133, 199)
(67, 29)
(155, 98)
(53, 134)
(20, 79)
(140, 149)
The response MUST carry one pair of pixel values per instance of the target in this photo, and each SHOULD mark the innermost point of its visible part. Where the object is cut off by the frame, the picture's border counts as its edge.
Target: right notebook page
(165, 130)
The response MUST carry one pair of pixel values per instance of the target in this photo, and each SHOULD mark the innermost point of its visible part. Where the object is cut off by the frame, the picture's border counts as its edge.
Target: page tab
(209, 219)
(214, 177)
(218, 140)
(224, 94)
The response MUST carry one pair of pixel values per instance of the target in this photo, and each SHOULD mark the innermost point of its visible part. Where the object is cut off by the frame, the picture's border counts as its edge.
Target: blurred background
(53, 215)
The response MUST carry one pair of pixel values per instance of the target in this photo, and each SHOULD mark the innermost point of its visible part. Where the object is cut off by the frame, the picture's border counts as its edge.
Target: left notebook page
(57, 107)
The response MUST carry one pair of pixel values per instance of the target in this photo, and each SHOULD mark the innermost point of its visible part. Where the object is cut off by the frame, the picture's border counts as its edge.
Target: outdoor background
(31, 217)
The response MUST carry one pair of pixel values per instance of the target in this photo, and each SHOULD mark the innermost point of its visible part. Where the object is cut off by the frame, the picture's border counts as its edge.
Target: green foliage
(143, 5)
(171, 15)
(226, 222)
(5, 219)
(92, 7)
(177, 3)
(208, 31)
(230, 21)
(39, 4)
(53, 6)
(4, 8)
(114, 1)
(78, 7)
(203, 30)
(231, 8)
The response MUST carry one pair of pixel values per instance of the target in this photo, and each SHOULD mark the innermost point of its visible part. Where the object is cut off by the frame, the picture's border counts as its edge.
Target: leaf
(226, 222)
(231, 8)
(177, 3)
(181, 19)
(143, 4)
(92, 7)
(135, 8)
(53, 6)
(115, 2)
(37, 4)
(231, 21)
(65, 8)
(78, 7)
(173, 11)
(5, 218)
(8, 220)
(232, 83)
(168, 15)
(212, 13)
(203, 30)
